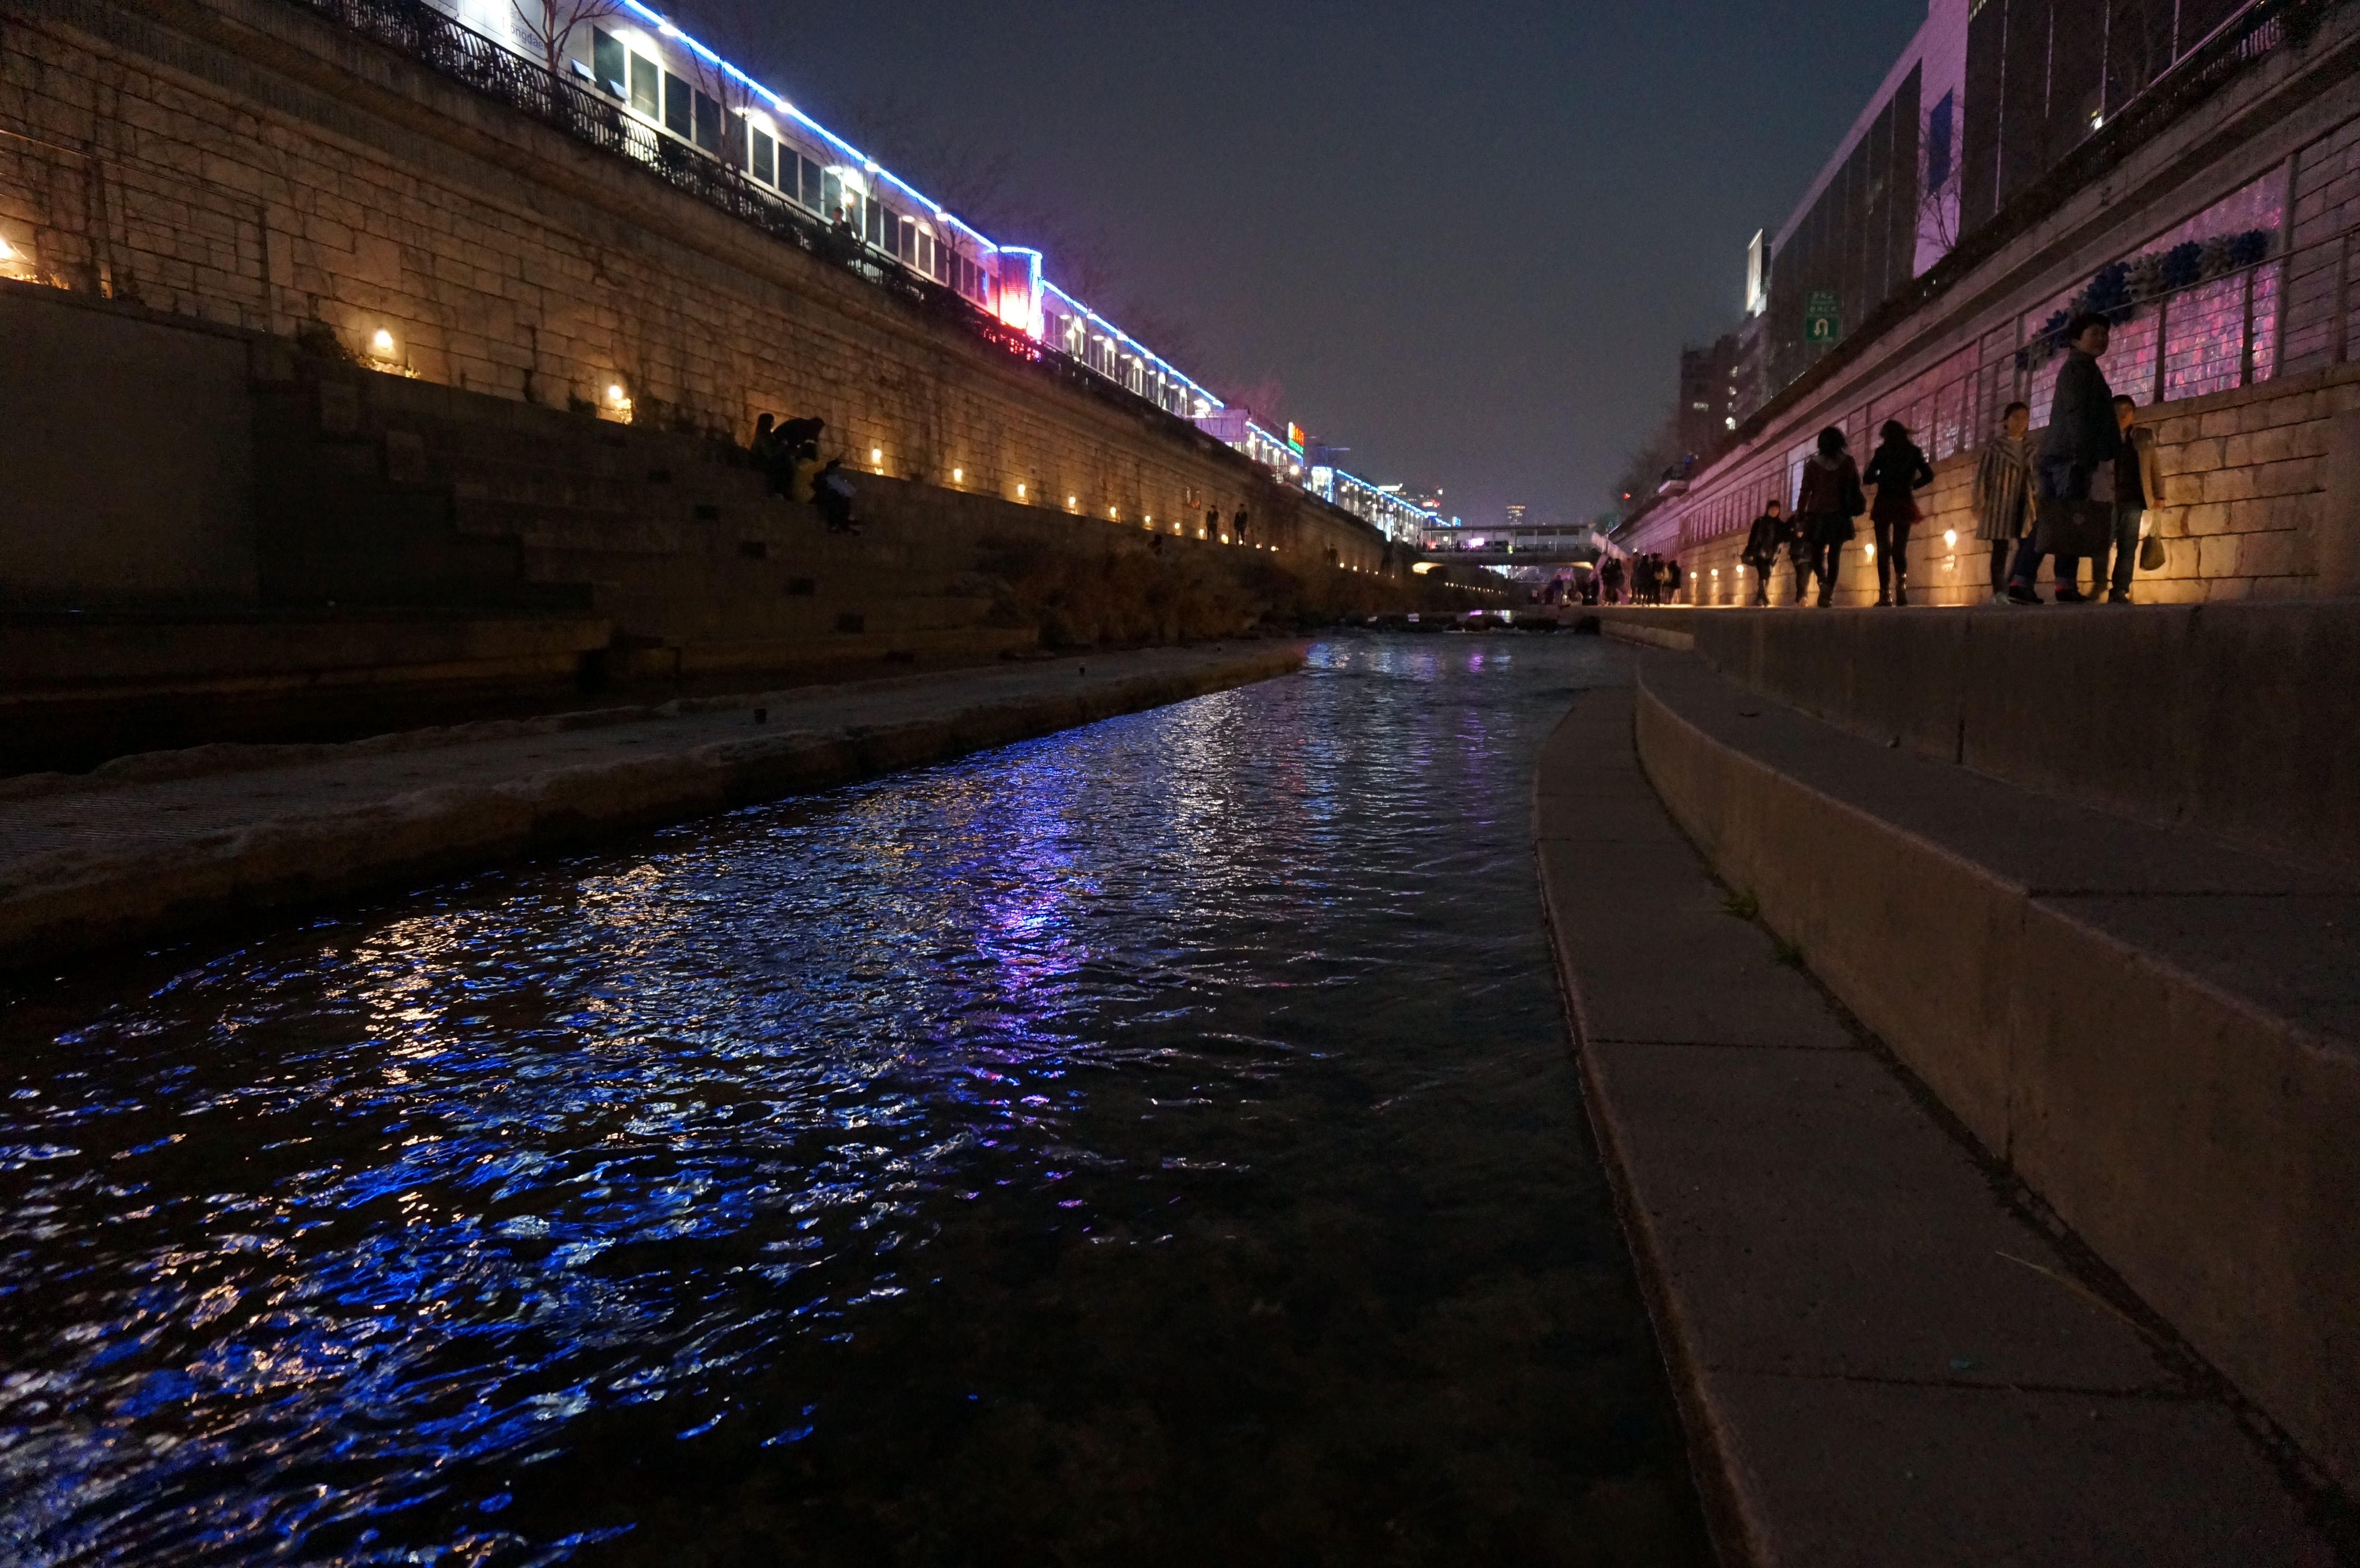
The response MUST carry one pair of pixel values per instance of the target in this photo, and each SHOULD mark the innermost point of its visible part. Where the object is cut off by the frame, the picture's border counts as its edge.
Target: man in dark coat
(2075, 470)
(1762, 542)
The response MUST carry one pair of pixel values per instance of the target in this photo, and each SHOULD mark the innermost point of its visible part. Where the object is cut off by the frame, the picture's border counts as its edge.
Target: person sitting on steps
(832, 493)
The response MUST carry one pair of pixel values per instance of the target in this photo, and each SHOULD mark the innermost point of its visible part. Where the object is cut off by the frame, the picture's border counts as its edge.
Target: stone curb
(62, 904)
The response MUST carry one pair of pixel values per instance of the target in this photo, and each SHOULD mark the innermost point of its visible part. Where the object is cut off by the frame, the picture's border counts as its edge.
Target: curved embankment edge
(277, 864)
(2196, 1132)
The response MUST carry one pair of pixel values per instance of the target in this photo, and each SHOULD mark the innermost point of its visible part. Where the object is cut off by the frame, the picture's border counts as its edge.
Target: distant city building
(1707, 394)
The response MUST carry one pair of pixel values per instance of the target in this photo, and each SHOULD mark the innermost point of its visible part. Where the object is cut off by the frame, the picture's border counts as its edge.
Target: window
(608, 64)
(709, 124)
(765, 158)
(874, 229)
(679, 110)
(928, 259)
(644, 90)
(1938, 144)
(831, 195)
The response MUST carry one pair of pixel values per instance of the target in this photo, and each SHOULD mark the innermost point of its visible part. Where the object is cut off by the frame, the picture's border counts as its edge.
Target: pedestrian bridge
(1567, 556)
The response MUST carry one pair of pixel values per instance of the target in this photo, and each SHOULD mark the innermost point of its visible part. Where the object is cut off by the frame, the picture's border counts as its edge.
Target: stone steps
(2157, 1032)
(1888, 1349)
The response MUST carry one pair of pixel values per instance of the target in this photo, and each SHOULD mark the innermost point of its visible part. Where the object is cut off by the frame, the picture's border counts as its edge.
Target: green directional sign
(1822, 316)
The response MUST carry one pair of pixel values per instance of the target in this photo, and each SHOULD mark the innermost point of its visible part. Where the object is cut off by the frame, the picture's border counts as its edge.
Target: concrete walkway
(1887, 1355)
(157, 843)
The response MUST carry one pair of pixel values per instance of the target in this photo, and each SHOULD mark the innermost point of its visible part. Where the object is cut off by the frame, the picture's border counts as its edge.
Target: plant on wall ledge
(2120, 290)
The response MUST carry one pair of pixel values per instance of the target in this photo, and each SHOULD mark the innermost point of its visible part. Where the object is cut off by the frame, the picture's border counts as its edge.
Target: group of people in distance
(1640, 579)
(2080, 494)
(787, 452)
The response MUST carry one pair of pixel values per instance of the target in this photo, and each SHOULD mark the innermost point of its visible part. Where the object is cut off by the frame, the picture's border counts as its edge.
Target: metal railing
(451, 49)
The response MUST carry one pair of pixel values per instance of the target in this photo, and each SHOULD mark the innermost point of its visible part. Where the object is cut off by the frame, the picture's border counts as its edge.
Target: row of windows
(696, 117)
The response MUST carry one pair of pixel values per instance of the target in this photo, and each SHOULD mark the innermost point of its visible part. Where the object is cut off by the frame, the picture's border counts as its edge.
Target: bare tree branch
(549, 25)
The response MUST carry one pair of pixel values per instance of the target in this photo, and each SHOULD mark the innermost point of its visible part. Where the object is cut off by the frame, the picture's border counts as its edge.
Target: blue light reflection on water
(877, 1123)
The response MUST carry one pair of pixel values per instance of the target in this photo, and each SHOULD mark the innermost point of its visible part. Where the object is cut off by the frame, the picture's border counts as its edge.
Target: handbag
(2073, 529)
(2153, 554)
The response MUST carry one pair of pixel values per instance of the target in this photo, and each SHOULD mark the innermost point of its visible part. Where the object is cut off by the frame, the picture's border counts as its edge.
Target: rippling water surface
(1152, 1144)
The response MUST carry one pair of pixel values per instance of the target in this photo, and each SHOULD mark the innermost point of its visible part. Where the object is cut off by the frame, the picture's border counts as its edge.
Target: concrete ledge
(2155, 1032)
(143, 857)
(1885, 1355)
(2232, 718)
(63, 657)
(1669, 627)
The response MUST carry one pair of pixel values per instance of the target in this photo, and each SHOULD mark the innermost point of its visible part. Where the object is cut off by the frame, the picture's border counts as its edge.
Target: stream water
(1152, 1144)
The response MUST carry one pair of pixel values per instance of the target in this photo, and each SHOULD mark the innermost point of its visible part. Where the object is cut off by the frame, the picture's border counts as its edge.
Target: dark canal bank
(1156, 1143)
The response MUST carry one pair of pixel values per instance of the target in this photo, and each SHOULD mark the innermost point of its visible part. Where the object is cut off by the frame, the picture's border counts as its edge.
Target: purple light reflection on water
(938, 1155)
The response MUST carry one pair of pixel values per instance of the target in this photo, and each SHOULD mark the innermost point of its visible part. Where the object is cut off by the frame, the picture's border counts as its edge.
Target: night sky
(1465, 240)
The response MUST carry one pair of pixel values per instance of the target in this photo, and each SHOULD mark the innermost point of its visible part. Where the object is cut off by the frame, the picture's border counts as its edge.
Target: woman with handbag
(2075, 470)
(1825, 505)
(1898, 469)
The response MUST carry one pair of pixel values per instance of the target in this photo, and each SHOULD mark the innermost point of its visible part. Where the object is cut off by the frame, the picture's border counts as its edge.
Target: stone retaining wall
(246, 163)
(2246, 509)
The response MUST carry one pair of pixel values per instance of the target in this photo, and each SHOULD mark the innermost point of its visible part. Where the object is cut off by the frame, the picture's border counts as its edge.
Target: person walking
(2138, 485)
(2003, 493)
(1899, 470)
(1802, 555)
(1610, 573)
(1674, 579)
(1762, 542)
(2075, 474)
(1826, 504)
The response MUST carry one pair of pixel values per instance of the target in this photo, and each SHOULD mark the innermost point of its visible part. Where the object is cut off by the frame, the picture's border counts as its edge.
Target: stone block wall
(2247, 508)
(248, 163)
